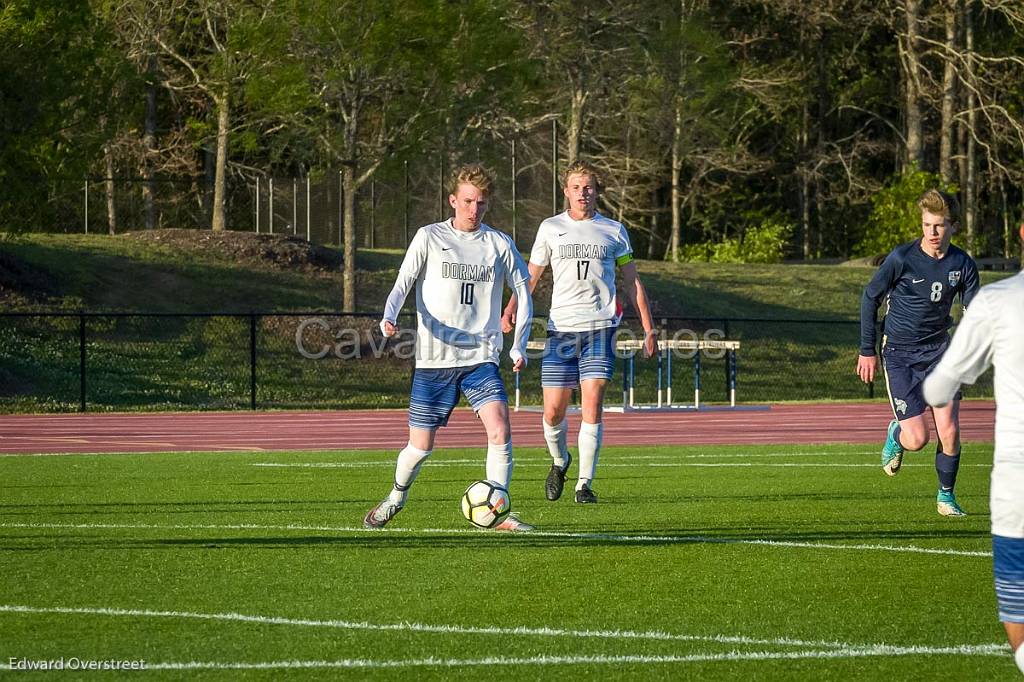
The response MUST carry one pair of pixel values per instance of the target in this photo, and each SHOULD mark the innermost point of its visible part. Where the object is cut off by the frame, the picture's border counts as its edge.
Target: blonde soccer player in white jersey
(583, 248)
(992, 333)
(459, 268)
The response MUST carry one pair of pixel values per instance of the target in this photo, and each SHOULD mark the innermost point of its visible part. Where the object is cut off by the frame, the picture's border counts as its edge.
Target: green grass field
(755, 562)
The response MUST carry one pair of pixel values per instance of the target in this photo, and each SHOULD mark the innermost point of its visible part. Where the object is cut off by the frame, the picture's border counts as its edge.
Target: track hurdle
(628, 349)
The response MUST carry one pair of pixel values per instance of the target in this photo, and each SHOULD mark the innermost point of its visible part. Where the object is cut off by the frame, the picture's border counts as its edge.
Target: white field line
(594, 660)
(836, 649)
(504, 661)
(660, 539)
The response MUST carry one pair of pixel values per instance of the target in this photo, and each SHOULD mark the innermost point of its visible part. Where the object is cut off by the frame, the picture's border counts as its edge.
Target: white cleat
(513, 524)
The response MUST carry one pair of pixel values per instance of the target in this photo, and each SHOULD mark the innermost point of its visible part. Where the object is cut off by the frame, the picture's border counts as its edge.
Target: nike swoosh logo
(918, 281)
(447, 248)
(562, 234)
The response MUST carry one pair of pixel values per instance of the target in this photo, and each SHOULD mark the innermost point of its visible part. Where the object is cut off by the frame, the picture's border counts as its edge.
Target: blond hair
(940, 203)
(473, 174)
(580, 167)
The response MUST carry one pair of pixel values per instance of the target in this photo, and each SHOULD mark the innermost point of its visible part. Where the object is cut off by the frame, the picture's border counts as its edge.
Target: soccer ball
(486, 504)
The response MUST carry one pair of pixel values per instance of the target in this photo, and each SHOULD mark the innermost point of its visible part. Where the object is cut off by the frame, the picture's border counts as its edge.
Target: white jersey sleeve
(408, 273)
(541, 253)
(625, 248)
(517, 276)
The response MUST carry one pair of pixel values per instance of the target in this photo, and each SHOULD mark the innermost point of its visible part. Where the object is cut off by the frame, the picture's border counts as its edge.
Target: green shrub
(765, 243)
(895, 218)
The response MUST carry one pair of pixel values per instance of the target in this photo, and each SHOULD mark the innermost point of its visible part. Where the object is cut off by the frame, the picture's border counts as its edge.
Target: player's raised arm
(415, 258)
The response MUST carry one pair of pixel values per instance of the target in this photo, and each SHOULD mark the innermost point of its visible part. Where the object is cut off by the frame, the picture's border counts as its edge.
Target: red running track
(386, 429)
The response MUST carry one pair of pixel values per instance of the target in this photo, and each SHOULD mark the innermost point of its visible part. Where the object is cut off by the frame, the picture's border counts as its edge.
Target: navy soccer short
(571, 357)
(435, 392)
(905, 369)
(1008, 566)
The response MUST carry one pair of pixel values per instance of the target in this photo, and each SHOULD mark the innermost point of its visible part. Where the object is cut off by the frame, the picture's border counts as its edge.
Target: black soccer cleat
(555, 482)
(586, 496)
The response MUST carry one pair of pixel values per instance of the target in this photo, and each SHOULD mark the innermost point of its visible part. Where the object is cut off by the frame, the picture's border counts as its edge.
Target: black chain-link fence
(104, 361)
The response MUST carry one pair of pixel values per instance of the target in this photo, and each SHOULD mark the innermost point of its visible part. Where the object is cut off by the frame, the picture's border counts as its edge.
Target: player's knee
(554, 415)
(499, 435)
(914, 439)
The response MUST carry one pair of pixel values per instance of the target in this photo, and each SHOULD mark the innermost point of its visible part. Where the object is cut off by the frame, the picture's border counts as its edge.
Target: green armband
(623, 259)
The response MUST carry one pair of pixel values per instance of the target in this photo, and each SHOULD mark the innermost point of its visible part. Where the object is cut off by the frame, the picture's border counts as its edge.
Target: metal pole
(625, 383)
(373, 209)
(668, 372)
(271, 218)
(87, 205)
(252, 361)
(341, 207)
(515, 235)
(517, 392)
(308, 238)
(554, 166)
(660, 359)
(257, 209)
(405, 196)
(81, 362)
(295, 206)
(632, 378)
(696, 379)
(732, 377)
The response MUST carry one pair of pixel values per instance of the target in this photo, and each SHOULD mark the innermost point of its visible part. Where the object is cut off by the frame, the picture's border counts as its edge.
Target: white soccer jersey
(583, 256)
(459, 278)
(992, 333)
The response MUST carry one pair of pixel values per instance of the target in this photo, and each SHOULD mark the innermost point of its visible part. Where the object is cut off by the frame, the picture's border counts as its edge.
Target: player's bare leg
(494, 416)
(1015, 633)
(906, 434)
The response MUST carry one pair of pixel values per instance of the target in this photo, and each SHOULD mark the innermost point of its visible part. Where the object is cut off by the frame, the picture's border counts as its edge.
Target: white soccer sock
(556, 438)
(1019, 657)
(590, 448)
(499, 464)
(410, 459)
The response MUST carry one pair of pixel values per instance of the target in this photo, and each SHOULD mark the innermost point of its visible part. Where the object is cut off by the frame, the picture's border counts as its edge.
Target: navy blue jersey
(919, 290)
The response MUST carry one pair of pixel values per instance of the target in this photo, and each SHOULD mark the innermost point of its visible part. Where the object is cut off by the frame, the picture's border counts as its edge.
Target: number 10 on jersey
(466, 297)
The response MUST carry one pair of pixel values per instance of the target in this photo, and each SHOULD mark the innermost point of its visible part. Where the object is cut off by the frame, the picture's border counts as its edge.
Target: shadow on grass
(389, 540)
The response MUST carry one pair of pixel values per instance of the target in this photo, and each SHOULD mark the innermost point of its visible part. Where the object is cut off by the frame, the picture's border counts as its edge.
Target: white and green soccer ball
(486, 504)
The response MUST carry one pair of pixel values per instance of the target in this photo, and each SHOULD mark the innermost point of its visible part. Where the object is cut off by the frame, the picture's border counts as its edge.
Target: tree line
(802, 125)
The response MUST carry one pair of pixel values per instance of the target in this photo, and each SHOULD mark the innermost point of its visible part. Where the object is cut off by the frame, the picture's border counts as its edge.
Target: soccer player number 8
(936, 292)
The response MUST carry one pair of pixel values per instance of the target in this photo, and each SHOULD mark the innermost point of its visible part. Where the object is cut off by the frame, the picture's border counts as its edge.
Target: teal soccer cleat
(946, 504)
(892, 452)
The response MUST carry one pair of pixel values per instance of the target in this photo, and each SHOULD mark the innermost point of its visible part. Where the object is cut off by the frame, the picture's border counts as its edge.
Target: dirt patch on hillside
(280, 251)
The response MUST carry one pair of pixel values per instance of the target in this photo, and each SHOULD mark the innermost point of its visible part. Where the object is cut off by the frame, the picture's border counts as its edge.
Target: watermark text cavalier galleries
(75, 663)
(316, 339)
